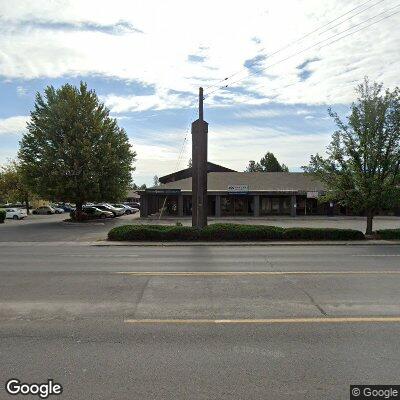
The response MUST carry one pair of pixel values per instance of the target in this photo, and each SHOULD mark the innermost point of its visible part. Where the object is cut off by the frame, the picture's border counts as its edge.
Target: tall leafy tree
(13, 186)
(268, 163)
(362, 166)
(254, 167)
(73, 150)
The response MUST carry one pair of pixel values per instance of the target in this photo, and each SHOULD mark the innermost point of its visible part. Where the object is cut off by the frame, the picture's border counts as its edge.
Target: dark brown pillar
(293, 206)
(199, 168)
(144, 206)
(199, 173)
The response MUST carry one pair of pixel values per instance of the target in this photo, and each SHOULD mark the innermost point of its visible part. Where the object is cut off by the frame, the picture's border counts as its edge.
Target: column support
(217, 206)
(144, 206)
(180, 205)
(293, 206)
(256, 205)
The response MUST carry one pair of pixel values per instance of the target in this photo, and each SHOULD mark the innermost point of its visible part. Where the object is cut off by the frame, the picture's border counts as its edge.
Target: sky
(286, 62)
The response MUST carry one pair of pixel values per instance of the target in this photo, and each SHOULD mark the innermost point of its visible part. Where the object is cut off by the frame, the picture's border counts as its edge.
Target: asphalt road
(199, 322)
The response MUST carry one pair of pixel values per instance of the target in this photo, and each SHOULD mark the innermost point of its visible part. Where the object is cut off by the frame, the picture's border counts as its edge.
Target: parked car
(108, 207)
(44, 210)
(133, 204)
(94, 212)
(67, 207)
(16, 213)
(128, 209)
(57, 209)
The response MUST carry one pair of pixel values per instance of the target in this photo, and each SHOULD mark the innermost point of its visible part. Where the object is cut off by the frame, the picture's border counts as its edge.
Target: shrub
(322, 234)
(228, 232)
(388, 234)
(2, 216)
(241, 232)
(153, 233)
(78, 216)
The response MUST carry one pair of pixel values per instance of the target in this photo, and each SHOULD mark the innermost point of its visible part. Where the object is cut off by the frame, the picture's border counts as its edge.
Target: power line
(303, 37)
(187, 131)
(315, 45)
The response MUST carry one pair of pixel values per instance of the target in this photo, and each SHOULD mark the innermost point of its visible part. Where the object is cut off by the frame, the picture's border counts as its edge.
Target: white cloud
(269, 113)
(21, 91)
(157, 159)
(13, 125)
(224, 37)
(160, 101)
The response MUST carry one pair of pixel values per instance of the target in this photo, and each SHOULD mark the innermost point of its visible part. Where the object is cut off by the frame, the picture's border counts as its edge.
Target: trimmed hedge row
(228, 232)
(388, 234)
(2, 216)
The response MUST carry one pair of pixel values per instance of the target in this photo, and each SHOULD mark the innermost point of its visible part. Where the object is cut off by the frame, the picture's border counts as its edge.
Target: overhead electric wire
(187, 131)
(303, 37)
(315, 45)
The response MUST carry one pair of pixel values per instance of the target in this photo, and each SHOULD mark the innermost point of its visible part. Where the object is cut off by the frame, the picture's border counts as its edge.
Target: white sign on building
(238, 188)
(312, 195)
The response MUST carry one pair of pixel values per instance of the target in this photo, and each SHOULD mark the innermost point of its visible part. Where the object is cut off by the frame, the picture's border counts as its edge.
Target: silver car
(128, 209)
(44, 210)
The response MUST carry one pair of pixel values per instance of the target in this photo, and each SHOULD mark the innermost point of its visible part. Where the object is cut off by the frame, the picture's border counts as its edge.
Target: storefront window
(226, 205)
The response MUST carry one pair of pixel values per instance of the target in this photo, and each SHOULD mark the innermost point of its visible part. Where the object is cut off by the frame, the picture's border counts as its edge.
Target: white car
(117, 211)
(58, 210)
(16, 213)
(128, 209)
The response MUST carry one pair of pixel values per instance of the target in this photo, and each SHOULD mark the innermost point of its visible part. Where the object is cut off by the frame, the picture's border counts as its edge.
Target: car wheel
(34, 212)
(103, 216)
(48, 212)
(15, 217)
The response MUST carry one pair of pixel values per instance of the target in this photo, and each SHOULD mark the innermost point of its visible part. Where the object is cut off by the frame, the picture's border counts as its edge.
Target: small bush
(2, 216)
(79, 216)
(228, 232)
(241, 232)
(322, 234)
(153, 233)
(388, 234)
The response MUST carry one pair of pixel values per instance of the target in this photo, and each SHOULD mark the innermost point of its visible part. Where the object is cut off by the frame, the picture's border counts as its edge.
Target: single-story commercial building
(233, 193)
(132, 196)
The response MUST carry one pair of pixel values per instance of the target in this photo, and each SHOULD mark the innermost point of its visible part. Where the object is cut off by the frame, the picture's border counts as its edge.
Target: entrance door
(241, 205)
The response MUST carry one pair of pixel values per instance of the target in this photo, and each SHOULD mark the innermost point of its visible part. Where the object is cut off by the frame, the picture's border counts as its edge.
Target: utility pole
(199, 168)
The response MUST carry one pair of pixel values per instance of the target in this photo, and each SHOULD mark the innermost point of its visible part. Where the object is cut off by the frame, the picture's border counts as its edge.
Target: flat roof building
(233, 193)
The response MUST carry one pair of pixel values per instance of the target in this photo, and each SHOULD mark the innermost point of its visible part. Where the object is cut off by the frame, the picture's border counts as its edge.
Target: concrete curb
(106, 243)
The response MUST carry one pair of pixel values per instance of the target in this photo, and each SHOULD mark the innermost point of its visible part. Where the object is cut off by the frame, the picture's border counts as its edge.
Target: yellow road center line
(266, 273)
(325, 320)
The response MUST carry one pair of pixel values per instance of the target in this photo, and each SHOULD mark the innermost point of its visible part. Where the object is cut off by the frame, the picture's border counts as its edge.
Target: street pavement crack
(313, 302)
(321, 310)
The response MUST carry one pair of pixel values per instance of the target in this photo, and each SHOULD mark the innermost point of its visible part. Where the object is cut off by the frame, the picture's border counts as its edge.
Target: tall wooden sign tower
(199, 168)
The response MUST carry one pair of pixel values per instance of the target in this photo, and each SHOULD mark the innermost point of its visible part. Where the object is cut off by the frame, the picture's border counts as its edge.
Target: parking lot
(52, 228)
